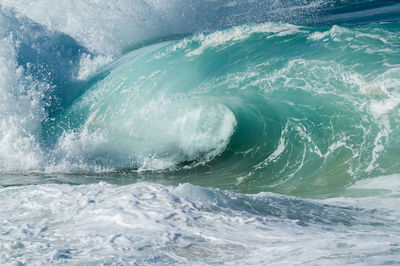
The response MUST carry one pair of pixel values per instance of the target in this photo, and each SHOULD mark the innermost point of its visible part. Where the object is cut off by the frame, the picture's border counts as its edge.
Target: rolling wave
(263, 105)
(196, 131)
(254, 97)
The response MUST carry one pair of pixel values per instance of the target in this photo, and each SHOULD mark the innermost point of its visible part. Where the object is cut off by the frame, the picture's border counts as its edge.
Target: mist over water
(146, 132)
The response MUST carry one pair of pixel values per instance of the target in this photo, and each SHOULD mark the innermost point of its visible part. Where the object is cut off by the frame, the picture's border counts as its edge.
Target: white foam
(379, 108)
(155, 140)
(153, 224)
(89, 64)
(390, 183)
(232, 35)
(101, 26)
(316, 36)
(108, 27)
(20, 114)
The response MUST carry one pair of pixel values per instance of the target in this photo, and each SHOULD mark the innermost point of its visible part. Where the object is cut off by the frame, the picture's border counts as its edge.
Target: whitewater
(196, 132)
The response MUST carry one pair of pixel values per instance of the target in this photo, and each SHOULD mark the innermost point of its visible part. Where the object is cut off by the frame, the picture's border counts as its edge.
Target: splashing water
(145, 132)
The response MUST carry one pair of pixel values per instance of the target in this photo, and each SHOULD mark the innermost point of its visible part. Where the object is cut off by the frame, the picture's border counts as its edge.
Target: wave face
(266, 104)
(229, 98)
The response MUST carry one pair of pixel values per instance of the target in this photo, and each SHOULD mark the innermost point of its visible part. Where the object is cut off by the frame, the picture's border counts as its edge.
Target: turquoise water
(264, 133)
(257, 107)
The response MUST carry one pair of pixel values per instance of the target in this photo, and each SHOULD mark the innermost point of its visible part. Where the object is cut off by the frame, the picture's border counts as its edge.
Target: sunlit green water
(265, 107)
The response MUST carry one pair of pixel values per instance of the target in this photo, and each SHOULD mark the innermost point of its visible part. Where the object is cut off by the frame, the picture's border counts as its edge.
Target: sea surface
(197, 132)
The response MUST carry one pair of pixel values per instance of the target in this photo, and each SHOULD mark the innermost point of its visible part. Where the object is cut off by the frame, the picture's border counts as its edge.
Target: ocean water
(194, 132)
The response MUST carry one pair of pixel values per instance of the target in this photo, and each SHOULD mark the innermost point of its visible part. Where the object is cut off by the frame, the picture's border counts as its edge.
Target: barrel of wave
(150, 138)
(146, 120)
